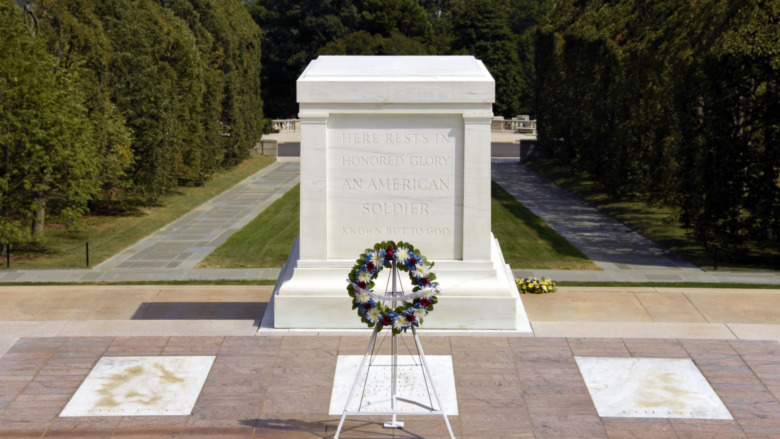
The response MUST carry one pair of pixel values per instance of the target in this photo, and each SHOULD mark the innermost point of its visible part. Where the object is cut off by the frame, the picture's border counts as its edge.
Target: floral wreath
(370, 306)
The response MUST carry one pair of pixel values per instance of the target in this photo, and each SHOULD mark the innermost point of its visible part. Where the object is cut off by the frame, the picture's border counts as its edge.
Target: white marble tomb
(396, 148)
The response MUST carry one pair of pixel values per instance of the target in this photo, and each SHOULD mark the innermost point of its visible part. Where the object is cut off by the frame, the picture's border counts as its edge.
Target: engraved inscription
(395, 231)
(396, 177)
(397, 184)
(371, 160)
(355, 138)
(383, 160)
(395, 209)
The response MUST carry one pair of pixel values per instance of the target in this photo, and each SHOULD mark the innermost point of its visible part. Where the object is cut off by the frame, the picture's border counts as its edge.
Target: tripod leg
(393, 386)
(394, 366)
(357, 379)
(428, 376)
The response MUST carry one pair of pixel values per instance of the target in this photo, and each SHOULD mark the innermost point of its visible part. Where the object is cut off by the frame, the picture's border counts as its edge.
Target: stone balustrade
(517, 125)
(289, 125)
(520, 124)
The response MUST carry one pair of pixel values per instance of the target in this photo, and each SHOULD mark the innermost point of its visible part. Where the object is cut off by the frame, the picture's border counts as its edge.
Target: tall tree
(45, 136)
(157, 81)
(74, 36)
(481, 28)
(293, 33)
(236, 57)
(523, 20)
(364, 43)
(671, 102)
(403, 17)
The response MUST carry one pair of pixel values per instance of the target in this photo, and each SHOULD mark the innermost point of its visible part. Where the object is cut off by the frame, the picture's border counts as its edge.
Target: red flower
(386, 320)
(424, 282)
(425, 302)
(410, 317)
(412, 261)
(362, 284)
(367, 305)
(370, 266)
(389, 252)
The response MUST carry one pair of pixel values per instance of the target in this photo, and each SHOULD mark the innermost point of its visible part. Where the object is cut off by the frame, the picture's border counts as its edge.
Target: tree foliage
(293, 33)
(498, 32)
(363, 43)
(481, 28)
(399, 17)
(670, 101)
(106, 100)
(46, 143)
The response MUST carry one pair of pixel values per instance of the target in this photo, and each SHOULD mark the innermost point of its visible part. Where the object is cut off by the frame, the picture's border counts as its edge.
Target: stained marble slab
(410, 384)
(141, 386)
(650, 388)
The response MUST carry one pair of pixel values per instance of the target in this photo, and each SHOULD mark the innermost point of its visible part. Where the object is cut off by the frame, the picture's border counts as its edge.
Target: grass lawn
(108, 234)
(657, 223)
(527, 242)
(264, 242)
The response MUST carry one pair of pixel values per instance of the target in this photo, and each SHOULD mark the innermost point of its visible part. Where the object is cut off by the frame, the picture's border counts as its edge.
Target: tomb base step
(473, 295)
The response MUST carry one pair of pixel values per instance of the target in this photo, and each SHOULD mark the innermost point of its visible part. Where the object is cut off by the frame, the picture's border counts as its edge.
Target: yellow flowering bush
(532, 285)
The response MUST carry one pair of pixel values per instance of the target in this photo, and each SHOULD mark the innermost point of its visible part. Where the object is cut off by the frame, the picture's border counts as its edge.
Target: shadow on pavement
(199, 310)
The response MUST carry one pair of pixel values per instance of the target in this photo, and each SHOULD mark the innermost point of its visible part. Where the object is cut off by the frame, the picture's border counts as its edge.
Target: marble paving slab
(141, 386)
(411, 383)
(650, 388)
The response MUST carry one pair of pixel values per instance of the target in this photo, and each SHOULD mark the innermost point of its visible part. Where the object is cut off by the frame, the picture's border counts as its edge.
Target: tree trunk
(39, 219)
(5, 247)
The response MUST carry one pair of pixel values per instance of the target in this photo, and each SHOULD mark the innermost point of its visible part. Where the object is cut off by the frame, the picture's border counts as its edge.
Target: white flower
(378, 261)
(420, 313)
(427, 293)
(361, 296)
(399, 322)
(422, 270)
(373, 314)
(401, 255)
(364, 276)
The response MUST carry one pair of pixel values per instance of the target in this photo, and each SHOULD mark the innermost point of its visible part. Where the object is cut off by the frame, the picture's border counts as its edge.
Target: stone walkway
(607, 242)
(186, 241)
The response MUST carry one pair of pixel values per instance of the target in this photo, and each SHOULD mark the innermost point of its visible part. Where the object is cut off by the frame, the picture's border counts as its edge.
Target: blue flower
(413, 260)
(365, 307)
(407, 318)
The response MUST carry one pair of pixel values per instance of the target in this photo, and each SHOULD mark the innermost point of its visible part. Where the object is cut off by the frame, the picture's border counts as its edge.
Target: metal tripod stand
(392, 295)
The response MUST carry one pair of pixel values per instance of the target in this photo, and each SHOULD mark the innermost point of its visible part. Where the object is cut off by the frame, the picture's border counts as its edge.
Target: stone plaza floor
(279, 385)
